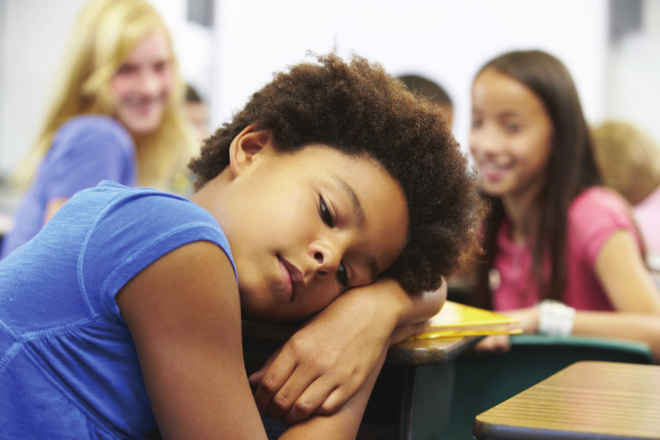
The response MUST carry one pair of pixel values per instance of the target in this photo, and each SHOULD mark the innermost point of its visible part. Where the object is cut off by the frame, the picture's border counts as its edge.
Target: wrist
(555, 318)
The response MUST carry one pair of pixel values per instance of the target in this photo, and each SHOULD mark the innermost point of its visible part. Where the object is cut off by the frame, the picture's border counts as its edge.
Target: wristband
(555, 318)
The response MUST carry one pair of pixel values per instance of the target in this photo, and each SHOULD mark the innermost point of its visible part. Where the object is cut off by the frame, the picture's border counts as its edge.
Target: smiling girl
(562, 253)
(335, 193)
(116, 114)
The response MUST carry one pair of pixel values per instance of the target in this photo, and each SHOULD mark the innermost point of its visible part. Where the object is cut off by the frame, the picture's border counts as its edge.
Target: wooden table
(587, 400)
(412, 395)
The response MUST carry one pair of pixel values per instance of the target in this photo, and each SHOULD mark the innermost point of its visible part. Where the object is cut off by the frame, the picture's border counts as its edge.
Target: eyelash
(326, 216)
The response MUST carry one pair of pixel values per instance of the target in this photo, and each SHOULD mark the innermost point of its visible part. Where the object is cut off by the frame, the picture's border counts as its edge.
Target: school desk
(586, 400)
(412, 394)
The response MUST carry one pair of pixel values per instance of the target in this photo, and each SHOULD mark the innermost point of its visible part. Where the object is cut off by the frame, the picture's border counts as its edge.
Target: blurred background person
(562, 253)
(432, 91)
(629, 161)
(198, 113)
(116, 115)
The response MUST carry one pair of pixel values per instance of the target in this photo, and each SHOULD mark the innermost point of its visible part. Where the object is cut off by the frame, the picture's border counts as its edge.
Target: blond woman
(116, 114)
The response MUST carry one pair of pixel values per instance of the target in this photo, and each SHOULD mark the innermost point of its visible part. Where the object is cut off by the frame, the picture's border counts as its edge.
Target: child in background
(123, 315)
(116, 114)
(430, 90)
(197, 112)
(630, 163)
(562, 253)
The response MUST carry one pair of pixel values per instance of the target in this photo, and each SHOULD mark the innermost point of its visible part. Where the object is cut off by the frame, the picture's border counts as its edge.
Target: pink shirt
(594, 215)
(647, 215)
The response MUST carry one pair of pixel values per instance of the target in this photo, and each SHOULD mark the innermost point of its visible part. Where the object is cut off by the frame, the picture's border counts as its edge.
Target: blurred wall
(446, 40)
(633, 73)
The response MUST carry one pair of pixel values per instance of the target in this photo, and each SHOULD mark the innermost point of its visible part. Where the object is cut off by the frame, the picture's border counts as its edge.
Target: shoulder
(596, 202)
(93, 126)
(594, 215)
(133, 228)
(146, 211)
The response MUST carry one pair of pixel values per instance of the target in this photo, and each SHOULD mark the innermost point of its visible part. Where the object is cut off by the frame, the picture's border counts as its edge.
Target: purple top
(86, 150)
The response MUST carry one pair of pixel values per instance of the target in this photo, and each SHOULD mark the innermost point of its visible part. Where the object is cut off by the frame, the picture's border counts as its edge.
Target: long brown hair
(571, 169)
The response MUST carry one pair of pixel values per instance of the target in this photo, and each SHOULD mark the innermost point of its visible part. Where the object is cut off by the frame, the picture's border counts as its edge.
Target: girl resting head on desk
(334, 192)
(562, 253)
(116, 115)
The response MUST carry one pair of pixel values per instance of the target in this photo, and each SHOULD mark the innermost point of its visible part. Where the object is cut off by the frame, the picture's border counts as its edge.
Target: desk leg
(434, 386)
(409, 402)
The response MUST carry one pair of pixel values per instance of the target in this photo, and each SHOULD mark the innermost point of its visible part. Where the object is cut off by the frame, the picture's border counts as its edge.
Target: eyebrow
(359, 213)
(350, 193)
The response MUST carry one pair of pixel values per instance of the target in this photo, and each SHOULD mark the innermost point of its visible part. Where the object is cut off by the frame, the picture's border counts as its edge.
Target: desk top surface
(418, 352)
(587, 400)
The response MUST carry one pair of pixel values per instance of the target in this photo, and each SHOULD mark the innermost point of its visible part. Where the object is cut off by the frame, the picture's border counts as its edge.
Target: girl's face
(143, 84)
(306, 226)
(511, 135)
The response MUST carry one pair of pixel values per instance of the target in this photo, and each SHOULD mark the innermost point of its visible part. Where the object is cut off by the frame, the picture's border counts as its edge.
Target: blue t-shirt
(86, 150)
(68, 365)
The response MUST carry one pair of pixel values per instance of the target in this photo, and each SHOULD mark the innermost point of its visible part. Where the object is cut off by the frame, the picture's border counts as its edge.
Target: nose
(326, 258)
(149, 83)
(485, 141)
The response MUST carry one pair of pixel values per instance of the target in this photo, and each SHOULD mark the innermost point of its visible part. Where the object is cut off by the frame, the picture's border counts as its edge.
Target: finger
(486, 344)
(256, 377)
(338, 398)
(272, 380)
(285, 398)
(503, 343)
(310, 401)
(403, 332)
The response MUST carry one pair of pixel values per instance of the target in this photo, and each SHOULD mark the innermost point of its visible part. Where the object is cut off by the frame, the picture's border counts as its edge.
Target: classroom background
(229, 48)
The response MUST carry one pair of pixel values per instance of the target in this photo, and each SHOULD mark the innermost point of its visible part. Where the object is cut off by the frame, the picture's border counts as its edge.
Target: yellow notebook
(456, 319)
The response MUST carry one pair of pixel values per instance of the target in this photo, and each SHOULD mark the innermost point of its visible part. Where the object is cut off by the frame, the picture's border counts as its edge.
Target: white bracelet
(555, 318)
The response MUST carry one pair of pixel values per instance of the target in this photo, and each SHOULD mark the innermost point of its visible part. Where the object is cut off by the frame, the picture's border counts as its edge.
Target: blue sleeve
(135, 232)
(86, 151)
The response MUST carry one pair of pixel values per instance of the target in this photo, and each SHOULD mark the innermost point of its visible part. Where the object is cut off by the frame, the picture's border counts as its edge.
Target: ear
(245, 146)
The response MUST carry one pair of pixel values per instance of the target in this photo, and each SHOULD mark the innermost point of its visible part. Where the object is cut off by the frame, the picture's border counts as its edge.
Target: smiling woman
(116, 114)
(143, 84)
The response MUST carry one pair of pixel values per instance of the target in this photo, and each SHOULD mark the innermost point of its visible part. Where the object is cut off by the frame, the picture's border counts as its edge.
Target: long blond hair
(104, 35)
(628, 159)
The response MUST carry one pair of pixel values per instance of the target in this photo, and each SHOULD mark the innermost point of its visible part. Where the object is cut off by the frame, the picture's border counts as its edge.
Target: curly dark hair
(360, 110)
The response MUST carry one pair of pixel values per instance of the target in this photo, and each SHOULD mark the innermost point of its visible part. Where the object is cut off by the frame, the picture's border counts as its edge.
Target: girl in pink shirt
(562, 253)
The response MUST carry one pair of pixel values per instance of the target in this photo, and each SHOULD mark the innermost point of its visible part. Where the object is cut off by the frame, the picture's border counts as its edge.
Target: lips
(492, 172)
(296, 281)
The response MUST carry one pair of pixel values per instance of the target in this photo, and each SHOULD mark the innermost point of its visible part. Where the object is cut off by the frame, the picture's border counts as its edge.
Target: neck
(522, 209)
(213, 195)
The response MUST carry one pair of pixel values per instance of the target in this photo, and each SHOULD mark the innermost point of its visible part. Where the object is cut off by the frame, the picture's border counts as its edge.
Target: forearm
(644, 327)
(343, 424)
(632, 326)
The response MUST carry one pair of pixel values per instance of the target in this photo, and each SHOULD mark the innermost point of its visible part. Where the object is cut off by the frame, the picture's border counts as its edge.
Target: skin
(511, 138)
(142, 85)
(260, 192)
(198, 116)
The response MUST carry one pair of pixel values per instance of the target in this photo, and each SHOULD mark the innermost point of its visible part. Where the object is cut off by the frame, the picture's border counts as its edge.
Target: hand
(494, 343)
(327, 361)
(529, 321)
(529, 318)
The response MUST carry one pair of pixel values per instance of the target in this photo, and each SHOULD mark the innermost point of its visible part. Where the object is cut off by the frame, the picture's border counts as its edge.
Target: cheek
(167, 83)
(120, 86)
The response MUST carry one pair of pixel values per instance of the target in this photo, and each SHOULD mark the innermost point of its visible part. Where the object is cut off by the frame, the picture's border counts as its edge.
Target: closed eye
(326, 215)
(342, 276)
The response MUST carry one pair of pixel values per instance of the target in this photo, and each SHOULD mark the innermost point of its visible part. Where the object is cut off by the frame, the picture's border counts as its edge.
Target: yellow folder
(455, 319)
